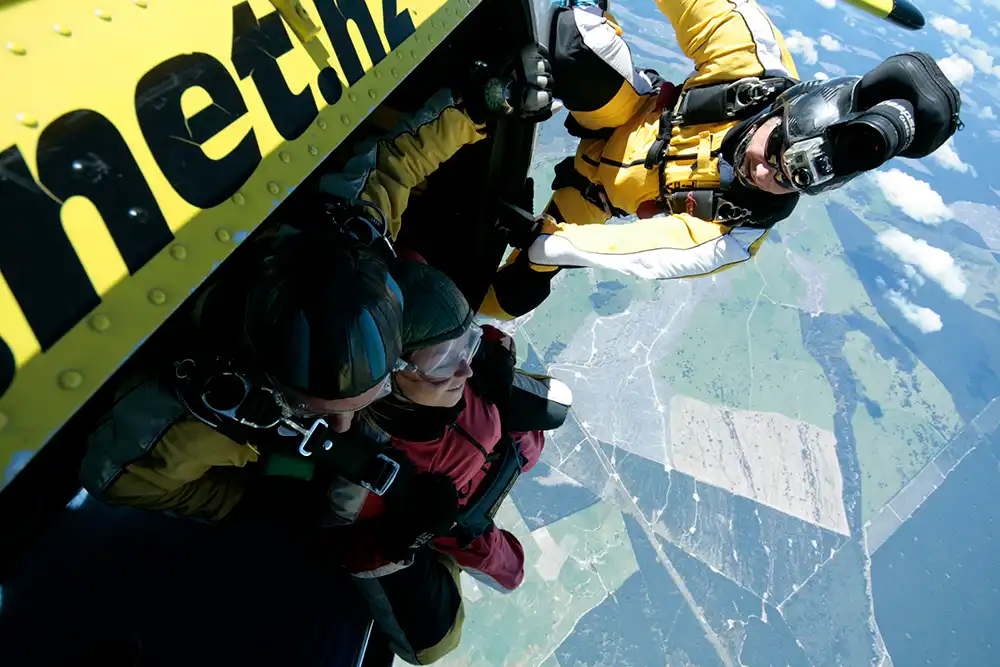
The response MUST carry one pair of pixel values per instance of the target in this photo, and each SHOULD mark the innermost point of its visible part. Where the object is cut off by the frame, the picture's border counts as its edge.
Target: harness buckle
(386, 476)
(307, 434)
(731, 213)
(231, 395)
(747, 92)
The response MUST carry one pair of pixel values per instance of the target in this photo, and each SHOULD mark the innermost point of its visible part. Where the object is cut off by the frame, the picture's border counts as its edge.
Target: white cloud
(833, 68)
(914, 197)
(951, 27)
(947, 157)
(980, 58)
(934, 263)
(987, 113)
(957, 68)
(829, 4)
(556, 477)
(911, 273)
(799, 44)
(964, 4)
(916, 165)
(864, 53)
(822, 76)
(922, 318)
(829, 43)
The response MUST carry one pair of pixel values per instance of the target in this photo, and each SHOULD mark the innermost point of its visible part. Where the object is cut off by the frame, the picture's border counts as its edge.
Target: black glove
(534, 84)
(524, 90)
(426, 507)
(493, 368)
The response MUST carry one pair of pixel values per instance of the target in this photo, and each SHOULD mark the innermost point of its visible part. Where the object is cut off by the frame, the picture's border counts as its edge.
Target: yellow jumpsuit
(727, 40)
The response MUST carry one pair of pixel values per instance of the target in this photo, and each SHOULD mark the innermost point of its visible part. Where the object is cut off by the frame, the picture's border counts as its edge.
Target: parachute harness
(716, 103)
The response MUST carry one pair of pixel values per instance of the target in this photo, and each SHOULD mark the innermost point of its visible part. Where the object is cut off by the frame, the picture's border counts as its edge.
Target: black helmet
(831, 131)
(436, 309)
(323, 316)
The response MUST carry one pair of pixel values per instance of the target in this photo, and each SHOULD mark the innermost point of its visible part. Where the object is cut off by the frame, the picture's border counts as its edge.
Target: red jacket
(497, 554)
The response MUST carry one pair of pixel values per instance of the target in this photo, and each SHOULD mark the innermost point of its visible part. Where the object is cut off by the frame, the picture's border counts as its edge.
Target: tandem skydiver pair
(258, 411)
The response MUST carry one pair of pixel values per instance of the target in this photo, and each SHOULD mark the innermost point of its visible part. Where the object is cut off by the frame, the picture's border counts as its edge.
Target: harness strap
(721, 102)
(731, 100)
(249, 413)
(477, 515)
(566, 176)
(707, 205)
(716, 103)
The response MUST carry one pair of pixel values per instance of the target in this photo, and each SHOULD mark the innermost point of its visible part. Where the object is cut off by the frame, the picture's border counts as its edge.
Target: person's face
(338, 413)
(756, 166)
(433, 392)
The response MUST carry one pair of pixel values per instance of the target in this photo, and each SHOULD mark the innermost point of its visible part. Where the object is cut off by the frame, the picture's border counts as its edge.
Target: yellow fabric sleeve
(192, 471)
(406, 160)
(386, 166)
(572, 206)
(727, 40)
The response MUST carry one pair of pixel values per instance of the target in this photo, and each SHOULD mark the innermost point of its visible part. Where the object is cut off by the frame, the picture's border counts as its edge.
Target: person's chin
(450, 398)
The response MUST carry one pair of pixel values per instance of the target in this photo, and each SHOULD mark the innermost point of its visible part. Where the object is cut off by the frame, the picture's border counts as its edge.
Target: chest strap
(249, 413)
(723, 102)
(707, 205)
(717, 103)
(476, 517)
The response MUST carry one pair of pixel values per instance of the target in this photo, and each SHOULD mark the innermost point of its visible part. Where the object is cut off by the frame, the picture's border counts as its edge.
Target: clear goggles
(440, 362)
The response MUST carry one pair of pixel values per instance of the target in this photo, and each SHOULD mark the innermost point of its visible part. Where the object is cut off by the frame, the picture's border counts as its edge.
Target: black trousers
(419, 608)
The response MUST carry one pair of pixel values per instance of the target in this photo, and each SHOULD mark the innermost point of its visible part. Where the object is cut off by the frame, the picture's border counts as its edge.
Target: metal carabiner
(307, 434)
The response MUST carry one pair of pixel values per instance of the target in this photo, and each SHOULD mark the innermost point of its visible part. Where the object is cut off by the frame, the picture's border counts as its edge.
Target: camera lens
(802, 178)
(868, 141)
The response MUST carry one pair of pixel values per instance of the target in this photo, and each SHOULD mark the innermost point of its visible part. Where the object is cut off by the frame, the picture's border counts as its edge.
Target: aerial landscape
(794, 462)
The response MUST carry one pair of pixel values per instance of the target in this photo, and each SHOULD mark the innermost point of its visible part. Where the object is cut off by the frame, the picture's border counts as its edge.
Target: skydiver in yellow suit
(711, 167)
